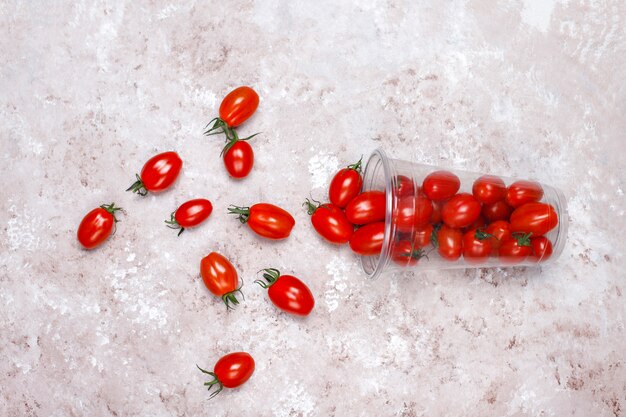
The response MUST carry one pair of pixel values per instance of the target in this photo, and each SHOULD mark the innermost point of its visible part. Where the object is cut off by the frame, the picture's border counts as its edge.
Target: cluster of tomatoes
(493, 221)
(159, 173)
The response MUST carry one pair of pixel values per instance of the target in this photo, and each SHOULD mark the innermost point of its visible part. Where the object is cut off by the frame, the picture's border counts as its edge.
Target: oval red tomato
(436, 216)
(220, 277)
(97, 226)
(190, 214)
(345, 185)
(367, 207)
(449, 243)
(404, 186)
(287, 292)
(412, 212)
(158, 174)
(330, 222)
(488, 189)
(238, 106)
(499, 210)
(423, 236)
(535, 218)
(230, 371)
(460, 211)
(266, 220)
(542, 249)
(239, 159)
(476, 246)
(368, 239)
(404, 253)
(500, 231)
(516, 249)
(440, 185)
(522, 192)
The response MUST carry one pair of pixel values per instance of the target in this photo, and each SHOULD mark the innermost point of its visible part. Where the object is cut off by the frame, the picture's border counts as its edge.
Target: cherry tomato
(368, 240)
(404, 253)
(436, 216)
(478, 223)
(287, 292)
(267, 220)
(190, 214)
(367, 207)
(330, 222)
(516, 249)
(239, 159)
(449, 242)
(476, 246)
(230, 371)
(220, 277)
(405, 186)
(345, 185)
(158, 174)
(522, 192)
(97, 226)
(238, 106)
(412, 212)
(499, 210)
(535, 218)
(440, 185)
(460, 211)
(489, 189)
(542, 249)
(500, 231)
(423, 236)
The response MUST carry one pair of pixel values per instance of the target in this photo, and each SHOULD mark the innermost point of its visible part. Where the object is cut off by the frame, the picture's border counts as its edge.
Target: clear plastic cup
(410, 200)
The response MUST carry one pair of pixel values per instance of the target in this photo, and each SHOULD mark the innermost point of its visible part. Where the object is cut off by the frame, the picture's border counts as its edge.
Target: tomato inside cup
(438, 218)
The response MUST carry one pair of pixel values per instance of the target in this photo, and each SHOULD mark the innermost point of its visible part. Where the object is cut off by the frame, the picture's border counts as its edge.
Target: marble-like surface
(90, 90)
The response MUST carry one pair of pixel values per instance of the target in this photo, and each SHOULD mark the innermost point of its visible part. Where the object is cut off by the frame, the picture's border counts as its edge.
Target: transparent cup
(426, 228)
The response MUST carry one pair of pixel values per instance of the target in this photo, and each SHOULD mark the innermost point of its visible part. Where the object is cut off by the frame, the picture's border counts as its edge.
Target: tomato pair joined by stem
(97, 226)
(266, 220)
(230, 371)
(190, 214)
(287, 292)
(158, 174)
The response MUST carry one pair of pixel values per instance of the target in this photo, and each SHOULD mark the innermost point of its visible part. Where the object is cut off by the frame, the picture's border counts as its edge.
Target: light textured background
(90, 90)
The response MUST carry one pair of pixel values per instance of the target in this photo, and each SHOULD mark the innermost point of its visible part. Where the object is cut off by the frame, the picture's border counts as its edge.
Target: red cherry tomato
(330, 222)
(449, 243)
(404, 253)
(367, 207)
(535, 218)
(479, 223)
(239, 159)
(460, 211)
(97, 226)
(267, 220)
(238, 106)
(499, 210)
(542, 249)
(405, 186)
(476, 246)
(412, 212)
(423, 236)
(287, 292)
(499, 231)
(489, 189)
(516, 249)
(522, 192)
(190, 214)
(440, 185)
(436, 216)
(220, 277)
(368, 240)
(158, 174)
(345, 185)
(230, 371)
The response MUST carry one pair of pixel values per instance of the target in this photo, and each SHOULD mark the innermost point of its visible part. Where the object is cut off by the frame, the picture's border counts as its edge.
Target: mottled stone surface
(90, 90)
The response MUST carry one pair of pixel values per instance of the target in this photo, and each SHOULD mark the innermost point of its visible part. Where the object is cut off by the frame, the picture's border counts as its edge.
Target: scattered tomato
(367, 207)
(535, 218)
(440, 185)
(499, 210)
(97, 226)
(404, 253)
(158, 174)
(266, 220)
(460, 211)
(368, 240)
(220, 277)
(190, 214)
(236, 108)
(488, 189)
(516, 249)
(449, 242)
(287, 292)
(345, 185)
(330, 222)
(522, 192)
(230, 371)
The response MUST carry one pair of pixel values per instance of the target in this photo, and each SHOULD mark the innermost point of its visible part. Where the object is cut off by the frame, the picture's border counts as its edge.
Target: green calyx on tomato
(229, 298)
(214, 382)
(173, 224)
(243, 213)
(234, 138)
(357, 165)
(138, 187)
(111, 209)
(310, 207)
(434, 240)
(481, 235)
(271, 275)
(523, 239)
